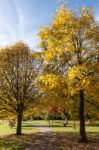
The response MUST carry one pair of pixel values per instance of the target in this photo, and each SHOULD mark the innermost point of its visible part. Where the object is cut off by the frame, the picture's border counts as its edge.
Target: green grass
(58, 127)
(27, 128)
(42, 122)
(14, 142)
(9, 141)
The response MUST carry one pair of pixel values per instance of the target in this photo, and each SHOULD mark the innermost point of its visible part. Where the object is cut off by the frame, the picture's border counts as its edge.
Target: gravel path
(42, 128)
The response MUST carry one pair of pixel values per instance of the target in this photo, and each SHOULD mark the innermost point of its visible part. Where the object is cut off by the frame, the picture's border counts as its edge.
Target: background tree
(19, 68)
(72, 38)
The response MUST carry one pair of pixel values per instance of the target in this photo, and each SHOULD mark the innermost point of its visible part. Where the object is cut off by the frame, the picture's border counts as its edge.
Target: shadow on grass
(38, 141)
(39, 125)
(93, 125)
(14, 142)
(47, 141)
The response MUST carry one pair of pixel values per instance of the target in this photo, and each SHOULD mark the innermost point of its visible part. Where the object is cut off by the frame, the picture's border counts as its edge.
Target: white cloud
(14, 24)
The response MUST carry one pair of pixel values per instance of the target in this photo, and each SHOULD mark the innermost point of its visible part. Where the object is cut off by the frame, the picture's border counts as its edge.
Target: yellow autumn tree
(70, 49)
(19, 69)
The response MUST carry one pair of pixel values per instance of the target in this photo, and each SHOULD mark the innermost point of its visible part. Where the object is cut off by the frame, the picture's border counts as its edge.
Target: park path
(42, 128)
(62, 141)
(45, 141)
(41, 143)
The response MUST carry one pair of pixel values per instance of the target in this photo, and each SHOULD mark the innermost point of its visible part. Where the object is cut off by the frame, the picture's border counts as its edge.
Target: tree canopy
(19, 69)
(70, 48)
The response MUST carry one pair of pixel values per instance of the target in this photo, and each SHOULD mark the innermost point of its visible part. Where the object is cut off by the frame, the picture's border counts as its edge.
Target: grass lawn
(41, 122)
(31, 135)
(8, 139)
(13, 142)
(27, 128)
(57, 127)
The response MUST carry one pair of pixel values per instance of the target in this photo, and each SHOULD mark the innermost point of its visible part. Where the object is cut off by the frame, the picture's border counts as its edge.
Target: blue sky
(20, 19)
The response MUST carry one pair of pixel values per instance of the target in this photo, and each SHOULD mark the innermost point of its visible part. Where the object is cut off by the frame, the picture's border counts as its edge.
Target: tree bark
(19, 123)
(83, 137)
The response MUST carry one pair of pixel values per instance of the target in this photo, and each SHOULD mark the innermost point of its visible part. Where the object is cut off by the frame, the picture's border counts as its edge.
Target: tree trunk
(83, 137)
(19, 123)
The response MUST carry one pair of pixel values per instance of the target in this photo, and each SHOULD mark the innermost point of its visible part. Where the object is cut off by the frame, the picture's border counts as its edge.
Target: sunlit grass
(57, 126)
(74, 127)
(9, 141)
(27, 128)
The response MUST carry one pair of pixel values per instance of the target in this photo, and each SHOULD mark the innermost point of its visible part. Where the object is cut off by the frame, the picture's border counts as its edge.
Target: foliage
(19, 69)
(70, 48)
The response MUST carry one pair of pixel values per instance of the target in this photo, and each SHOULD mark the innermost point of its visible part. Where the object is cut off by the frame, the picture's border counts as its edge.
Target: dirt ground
(63, 141)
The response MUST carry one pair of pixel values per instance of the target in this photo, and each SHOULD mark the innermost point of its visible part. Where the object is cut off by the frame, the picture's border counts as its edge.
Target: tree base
(83, 140)
(18, 133)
